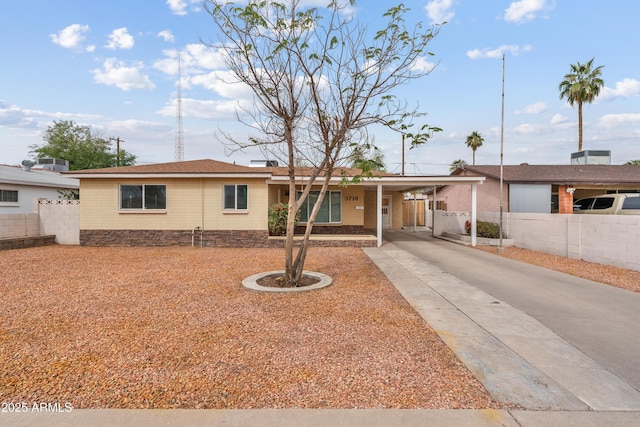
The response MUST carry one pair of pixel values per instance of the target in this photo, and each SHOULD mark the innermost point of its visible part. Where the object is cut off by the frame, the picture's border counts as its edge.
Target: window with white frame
(236, 197)
(330, 209)
(143, 197)
(9, 196)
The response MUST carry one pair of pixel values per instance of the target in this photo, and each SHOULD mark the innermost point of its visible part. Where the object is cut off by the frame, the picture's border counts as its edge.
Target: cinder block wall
(19, 225)
(605, 239)
(60, 218)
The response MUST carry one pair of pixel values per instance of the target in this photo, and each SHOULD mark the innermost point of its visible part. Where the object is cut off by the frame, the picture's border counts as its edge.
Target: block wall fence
(605, 239)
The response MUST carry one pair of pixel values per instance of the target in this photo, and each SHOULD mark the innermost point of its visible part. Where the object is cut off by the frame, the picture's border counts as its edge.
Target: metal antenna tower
(179, 152)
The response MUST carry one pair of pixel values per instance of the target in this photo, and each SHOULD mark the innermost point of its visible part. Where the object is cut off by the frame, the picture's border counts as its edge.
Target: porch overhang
(403, 184)
(407, 184)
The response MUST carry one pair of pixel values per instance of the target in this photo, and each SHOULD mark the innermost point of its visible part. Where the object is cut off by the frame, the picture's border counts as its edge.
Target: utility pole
(403, 154)
(118, 141)
(500, 247)
(179, 143)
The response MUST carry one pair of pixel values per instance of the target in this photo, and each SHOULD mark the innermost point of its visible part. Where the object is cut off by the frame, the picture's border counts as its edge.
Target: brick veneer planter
(210, 238)
(333, 229)
(217, 238)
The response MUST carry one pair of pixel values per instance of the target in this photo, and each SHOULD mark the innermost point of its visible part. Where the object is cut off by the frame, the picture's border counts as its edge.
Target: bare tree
(319, 81)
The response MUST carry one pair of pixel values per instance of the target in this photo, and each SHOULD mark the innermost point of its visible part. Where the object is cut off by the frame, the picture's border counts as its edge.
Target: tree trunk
(579, 126)
(298, 264)
(291, 227)
(293, 205)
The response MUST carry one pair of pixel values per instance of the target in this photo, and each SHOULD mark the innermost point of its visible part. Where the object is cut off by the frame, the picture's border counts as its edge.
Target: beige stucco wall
(396, 208)
(352, 205)
(190, 203)
(352, 199)
(370, 213)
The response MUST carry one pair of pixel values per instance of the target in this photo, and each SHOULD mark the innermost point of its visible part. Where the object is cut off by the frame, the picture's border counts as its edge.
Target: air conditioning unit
(56, 165)
(591, 157)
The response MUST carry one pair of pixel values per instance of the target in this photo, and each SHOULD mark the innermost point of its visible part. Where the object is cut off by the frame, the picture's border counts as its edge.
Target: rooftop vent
(27, 165)
(55, 165)
(591, 157)
(263, 163)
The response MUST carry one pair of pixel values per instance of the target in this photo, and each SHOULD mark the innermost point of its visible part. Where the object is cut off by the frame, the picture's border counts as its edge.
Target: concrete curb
(318, 418)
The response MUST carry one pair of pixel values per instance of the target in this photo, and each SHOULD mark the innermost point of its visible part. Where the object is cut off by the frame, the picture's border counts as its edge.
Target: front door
(386, 212)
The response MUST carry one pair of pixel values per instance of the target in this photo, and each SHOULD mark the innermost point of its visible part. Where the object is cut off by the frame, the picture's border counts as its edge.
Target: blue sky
(112, 65)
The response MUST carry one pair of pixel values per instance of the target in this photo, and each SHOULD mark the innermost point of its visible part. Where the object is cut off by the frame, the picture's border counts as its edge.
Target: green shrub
(486, 229)
(278, 219)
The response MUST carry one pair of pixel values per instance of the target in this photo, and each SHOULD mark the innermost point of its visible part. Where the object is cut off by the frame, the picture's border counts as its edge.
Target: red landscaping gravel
(174, 328)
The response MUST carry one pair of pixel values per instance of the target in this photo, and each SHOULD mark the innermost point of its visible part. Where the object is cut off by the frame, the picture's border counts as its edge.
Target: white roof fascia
(39, 184)
(397, 180)
(281, 179)
(430, 180)
(169, 175)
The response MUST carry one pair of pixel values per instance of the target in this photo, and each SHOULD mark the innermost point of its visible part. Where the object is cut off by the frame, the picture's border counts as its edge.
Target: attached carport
(406, 184)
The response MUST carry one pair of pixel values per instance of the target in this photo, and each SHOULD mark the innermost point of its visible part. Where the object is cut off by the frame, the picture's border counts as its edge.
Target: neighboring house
(227, 204)
(538, 188)
(20, 187)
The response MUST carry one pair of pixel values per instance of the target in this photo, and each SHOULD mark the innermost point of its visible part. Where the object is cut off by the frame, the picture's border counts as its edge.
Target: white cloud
(558, 119)
(627, 88)
(202, 57)
(609, 121)
(132, 125)
(14, 116)
(535, 108)
(116, 73)
(439, 11)
(179, 7)
(194, 59)
(166, 35)
(224, 83)
(203, 109)
(72, 37)
(498, 52)
(421, 65)
(525, 10)
(527, 128)
(120, 39)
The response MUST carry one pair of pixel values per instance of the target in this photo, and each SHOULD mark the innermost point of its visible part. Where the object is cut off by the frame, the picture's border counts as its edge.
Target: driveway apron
(534, 337)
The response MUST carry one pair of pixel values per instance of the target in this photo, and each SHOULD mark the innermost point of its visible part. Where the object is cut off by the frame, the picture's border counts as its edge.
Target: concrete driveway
(601, 321)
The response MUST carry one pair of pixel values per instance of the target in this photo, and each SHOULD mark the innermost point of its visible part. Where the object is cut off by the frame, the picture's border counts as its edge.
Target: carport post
(473, 214)
(379, 215)
(433, 212)
(415, 211)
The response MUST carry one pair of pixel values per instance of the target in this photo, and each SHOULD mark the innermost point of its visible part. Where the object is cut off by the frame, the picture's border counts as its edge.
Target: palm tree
(457, 164)
(633, 162)
(582, 84)
(474, 141)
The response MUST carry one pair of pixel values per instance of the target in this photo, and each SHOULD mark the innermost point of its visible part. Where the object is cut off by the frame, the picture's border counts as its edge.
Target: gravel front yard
(174, 328)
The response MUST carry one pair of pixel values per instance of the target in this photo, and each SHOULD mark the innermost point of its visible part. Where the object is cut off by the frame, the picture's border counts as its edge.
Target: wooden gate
(407, 212)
